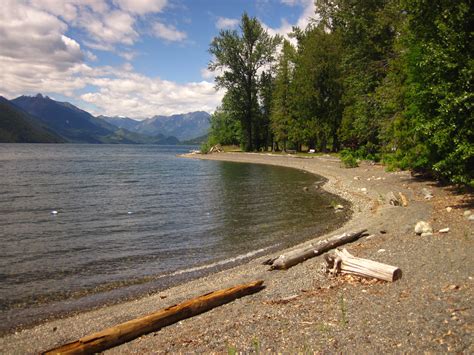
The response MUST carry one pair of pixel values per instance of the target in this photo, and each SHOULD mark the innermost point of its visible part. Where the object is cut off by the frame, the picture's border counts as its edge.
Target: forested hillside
(383, 80)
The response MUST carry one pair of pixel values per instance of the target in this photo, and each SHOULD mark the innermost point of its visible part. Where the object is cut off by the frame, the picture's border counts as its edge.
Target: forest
(382, 80)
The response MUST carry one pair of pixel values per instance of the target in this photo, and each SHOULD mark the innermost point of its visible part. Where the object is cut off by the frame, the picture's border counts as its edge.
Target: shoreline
(19, 319)
(231, 325)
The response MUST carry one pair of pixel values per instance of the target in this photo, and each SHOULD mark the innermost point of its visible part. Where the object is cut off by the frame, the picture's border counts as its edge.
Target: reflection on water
(129, 215)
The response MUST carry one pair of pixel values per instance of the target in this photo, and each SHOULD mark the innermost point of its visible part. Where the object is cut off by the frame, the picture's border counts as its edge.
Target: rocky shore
(305, 310)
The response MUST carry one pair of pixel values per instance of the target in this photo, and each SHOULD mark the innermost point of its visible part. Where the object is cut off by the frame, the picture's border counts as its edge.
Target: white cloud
(292, 2)
(91, 56)
(111, 28)
(69, 10)
(138, 96)
(141, 7)
(37, 55)
(207, 74)
(34, 52)
(168, 32)
(226, 23)
(107, 23)
(309, 12)
(127, 55)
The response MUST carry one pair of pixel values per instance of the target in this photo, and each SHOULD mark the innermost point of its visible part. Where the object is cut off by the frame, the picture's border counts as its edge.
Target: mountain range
(42, 119)
(17, 126)
(183, 126)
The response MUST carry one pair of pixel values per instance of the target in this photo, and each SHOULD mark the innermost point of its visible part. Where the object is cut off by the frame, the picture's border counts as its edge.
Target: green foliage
(225, 127)
(280, 113)
(240, 56)
(348, 160)
(385, 80)
(231, 350)
(317, 89)
(438, 115)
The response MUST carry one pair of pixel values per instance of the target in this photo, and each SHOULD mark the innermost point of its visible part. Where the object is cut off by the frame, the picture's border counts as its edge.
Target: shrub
(348, 160)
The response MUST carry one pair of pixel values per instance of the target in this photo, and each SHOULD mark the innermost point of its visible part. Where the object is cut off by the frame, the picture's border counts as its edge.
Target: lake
(133, 219)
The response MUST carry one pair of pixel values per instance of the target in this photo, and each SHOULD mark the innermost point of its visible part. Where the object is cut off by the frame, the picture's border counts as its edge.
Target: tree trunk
(346, 263)
(297, 256)
(249, 117)
(335, 141)
(132, 329)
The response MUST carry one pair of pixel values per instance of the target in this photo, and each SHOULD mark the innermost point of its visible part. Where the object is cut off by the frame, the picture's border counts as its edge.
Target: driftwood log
(132, 329)
(294, 257)
(346, 263)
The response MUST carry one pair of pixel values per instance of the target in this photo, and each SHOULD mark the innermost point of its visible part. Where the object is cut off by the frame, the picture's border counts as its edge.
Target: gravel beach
(305, 310)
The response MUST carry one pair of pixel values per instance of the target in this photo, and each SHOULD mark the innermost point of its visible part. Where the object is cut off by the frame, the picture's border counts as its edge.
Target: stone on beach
(427, 193)
(423, 227)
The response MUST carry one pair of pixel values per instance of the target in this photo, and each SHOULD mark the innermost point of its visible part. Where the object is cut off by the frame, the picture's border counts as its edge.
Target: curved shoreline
(28, 317)
(230, 324)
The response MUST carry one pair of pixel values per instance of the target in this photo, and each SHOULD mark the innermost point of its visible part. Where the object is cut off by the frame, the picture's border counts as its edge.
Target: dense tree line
(378, 79)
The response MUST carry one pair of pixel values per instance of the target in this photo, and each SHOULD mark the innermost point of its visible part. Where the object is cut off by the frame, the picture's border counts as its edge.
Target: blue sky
(135, 58)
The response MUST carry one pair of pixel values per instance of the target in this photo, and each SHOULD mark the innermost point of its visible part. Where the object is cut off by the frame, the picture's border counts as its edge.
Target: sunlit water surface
(136, 218)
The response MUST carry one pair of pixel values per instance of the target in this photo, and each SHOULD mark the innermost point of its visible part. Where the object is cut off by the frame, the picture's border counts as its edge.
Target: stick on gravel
(294, 257)
(132, 329)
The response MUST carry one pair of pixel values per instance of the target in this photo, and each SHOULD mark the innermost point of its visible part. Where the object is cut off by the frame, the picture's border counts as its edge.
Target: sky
(133, 58)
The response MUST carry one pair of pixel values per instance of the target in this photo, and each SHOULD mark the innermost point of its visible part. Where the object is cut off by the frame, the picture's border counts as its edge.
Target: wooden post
(346, 263)
(294, 257)
(132, 329)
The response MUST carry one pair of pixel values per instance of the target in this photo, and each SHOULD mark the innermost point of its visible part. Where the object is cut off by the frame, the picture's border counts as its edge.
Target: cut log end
(345, 263)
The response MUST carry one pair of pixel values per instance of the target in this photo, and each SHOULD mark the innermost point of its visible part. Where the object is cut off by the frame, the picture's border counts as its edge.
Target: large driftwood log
(346, 263)
(132, 329)
(294, 257)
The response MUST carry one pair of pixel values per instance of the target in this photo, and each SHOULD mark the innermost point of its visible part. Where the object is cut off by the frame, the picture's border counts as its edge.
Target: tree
(367, 29)
(280, 114)
(439, 95)
(225, 126)
(240, 57)
(266, 88)
(317, 89)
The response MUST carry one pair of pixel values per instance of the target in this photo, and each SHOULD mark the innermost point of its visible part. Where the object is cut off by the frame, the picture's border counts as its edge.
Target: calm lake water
(135, 218)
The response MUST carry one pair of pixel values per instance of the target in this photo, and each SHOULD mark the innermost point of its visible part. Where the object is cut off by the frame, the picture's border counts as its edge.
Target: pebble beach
(304, 309)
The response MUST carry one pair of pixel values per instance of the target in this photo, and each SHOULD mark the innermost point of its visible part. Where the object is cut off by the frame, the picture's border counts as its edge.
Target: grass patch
(342, 306)
(231, 350)
(256, 345)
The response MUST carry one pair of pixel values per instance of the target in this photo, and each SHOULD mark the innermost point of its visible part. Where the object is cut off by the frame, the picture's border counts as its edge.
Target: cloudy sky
(135, 58)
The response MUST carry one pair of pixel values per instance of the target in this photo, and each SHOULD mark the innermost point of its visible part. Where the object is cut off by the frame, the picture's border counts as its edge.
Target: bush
(348, 160)
(204, 148)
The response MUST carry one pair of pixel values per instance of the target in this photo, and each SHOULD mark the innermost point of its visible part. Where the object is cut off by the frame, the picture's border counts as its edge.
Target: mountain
(79, 126)
(17, 126)
(196, 141)
(121, 122)
(183, 126)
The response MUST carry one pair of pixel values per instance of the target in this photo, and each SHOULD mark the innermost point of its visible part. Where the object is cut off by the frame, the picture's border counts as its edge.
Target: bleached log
(132, 329)
(344, 262)
(294, 257)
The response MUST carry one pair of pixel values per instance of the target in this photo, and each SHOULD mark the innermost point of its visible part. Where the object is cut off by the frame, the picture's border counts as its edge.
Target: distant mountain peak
(41, 96)
(184, 126)
(79, 126)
